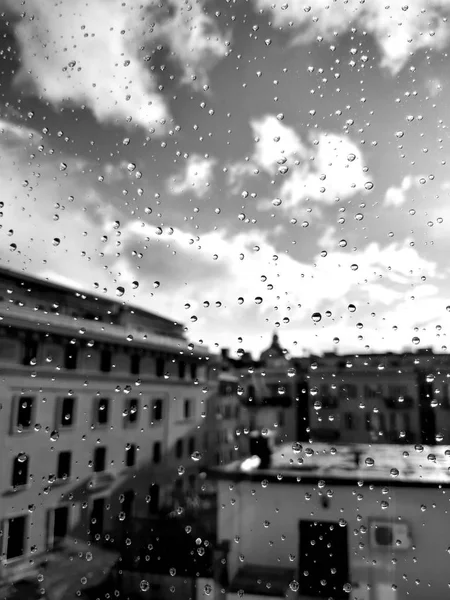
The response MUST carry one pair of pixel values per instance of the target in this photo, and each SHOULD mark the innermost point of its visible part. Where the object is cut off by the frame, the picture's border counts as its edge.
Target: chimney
(225, 353)
(260, 447)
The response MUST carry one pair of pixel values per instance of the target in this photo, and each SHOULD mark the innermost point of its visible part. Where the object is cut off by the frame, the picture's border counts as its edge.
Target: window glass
(224, 260)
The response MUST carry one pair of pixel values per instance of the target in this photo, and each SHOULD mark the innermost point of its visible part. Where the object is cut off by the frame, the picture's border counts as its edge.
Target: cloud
(399, 29)
(197, 176)
(99, 53)
(396, 196)
(222, 285)
(327, 167)
(275, 144)
(334, 171)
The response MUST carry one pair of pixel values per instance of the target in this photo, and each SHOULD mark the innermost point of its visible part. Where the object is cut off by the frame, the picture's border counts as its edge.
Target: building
(275, 393)
(356, 522)
(368, 398)
(384, 398)
(102, 417)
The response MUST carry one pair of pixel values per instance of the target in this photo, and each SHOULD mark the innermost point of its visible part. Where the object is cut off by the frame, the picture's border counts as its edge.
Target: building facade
(102, 417)
(358, 523)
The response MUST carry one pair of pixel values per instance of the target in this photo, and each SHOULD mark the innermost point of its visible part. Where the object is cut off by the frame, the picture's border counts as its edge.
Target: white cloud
(196, 178)
(397, 196)
(399, 29)
(331, 166)
(202, 270)
(275, 144)
(91, 53)
(335, 171)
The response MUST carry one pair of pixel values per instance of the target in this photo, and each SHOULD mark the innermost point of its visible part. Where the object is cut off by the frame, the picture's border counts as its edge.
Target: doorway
(323, 555)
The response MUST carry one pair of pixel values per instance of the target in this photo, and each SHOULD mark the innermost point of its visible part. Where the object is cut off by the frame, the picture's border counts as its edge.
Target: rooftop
(24, 317)
(396, 465)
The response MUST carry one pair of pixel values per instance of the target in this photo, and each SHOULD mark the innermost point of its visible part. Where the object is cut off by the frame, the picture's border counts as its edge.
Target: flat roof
(394, 465)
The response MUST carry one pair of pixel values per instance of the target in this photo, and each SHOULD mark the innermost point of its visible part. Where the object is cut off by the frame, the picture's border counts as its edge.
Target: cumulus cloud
(397, 195)
(99, 53)
(399, 29)
(196, 177)
(275, 143)
(217, 275)
(328, 166)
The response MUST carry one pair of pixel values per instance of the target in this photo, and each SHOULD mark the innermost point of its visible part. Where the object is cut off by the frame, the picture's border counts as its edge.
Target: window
(193, 369)
(24, 412)
(281, 418)
(191, 446)
(131, 413)
(128, 503)
(99, 459)
(130, 455)
(70, 357)
(160, 366)
(181, 369)
(16, 537)
(59, 523)
(30, 351)
(153, 505)
(66, 412)
(135, 364)
(179, 448)
(349, 420)
(101, 412)
(157, 412)
(64, 465)
(187, 409)
(157, 452)
(105, 361)
(20, 470)
(97, 517)
(349, 390)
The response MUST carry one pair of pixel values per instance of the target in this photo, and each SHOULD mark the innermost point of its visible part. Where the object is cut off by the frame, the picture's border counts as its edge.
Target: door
(323, 559)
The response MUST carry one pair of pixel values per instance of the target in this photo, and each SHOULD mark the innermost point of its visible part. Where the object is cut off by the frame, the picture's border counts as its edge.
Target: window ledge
(10, 491)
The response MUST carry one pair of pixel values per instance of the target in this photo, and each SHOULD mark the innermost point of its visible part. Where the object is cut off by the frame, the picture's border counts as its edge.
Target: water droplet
(316, 317)
(196, 455)
(368, 185)
(120, 291)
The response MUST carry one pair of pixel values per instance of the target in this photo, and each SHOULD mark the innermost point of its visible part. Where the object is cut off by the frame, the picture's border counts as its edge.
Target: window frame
(27, 482)
(69, 474)
(15, 427)
(131, 451)
(5, 537)
(131, 419)
(59, 420)
(96, 409)
(97, 449)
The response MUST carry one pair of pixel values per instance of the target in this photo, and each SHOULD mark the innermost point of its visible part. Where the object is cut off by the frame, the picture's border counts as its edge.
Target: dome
(274, 352)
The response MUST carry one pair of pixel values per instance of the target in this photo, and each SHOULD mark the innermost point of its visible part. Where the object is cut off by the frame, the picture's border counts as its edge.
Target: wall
(420, 572)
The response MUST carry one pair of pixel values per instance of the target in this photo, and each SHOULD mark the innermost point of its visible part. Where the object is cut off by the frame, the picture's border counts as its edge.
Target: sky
(242, 167)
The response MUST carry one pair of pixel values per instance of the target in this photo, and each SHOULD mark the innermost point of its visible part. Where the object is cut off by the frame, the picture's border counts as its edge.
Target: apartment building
(275, 393)
(102, 413)
(362, 522)
(380, 398)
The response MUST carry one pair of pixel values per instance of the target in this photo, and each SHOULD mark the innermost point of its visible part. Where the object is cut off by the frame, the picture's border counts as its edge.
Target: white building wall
(262, 523)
